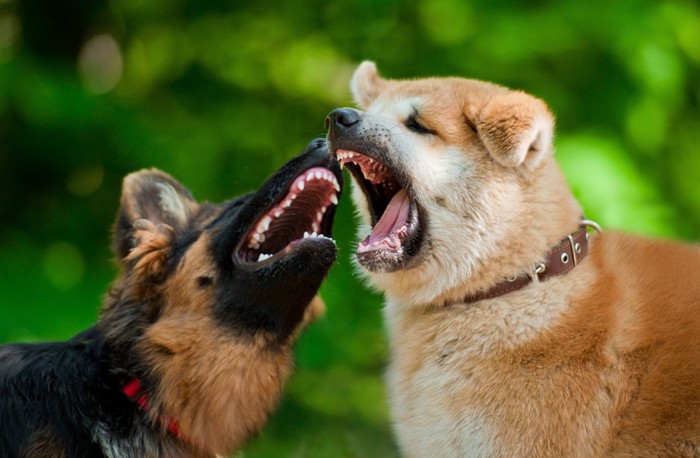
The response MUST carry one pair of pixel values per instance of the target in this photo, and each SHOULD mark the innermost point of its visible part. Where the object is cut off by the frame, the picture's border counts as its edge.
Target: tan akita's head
(449, 175)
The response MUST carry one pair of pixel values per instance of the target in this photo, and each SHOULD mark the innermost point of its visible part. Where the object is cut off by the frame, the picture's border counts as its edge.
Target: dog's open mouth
(394, 213)
(302, 214)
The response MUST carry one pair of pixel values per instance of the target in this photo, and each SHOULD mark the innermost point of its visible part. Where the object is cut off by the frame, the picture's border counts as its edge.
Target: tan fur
(603, 361)
(220, 386)
(44, 444)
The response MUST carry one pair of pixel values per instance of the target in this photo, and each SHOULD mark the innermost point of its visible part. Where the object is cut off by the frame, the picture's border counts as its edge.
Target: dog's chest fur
(456, 370)
(555, 370)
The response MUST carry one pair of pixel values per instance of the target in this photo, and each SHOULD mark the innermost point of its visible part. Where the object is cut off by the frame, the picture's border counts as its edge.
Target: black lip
(273, 191)
(237, 221)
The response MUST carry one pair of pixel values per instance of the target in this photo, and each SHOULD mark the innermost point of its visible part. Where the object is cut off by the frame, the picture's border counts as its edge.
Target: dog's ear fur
(516, 128)
(366, 84)
(154, 207)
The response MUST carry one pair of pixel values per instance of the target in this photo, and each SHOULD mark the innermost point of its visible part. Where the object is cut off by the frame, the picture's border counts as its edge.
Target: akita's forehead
(398, 106)
(404, 97)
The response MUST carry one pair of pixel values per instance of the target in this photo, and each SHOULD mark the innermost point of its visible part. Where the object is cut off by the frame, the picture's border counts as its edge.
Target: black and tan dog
(193, 345)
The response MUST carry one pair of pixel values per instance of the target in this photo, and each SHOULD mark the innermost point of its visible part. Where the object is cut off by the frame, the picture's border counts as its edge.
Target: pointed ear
(516, 128)
(366, 84)
(154, 207)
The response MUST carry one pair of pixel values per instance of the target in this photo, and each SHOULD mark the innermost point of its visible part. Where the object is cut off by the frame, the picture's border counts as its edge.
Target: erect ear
(516, 128)
(154, 207)
(366, 84)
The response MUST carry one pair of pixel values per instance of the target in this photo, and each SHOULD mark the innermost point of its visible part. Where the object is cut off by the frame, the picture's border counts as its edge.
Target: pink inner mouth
(298, 215)
(390, 203)
(391, 228)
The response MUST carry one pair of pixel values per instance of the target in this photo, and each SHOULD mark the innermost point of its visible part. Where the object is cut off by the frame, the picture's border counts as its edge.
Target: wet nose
(342, 119)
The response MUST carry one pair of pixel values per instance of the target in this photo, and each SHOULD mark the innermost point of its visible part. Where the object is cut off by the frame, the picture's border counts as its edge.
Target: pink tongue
(394, 217)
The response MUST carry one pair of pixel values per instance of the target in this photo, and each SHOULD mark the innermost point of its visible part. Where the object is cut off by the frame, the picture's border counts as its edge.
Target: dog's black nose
(342, 118)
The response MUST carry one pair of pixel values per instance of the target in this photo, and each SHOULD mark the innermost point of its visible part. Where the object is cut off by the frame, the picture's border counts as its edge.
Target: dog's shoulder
(46, 394)
(665, 270)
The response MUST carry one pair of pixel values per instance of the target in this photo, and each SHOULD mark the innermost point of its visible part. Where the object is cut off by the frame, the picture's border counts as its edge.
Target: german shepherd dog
(194, 343)
(514, 331)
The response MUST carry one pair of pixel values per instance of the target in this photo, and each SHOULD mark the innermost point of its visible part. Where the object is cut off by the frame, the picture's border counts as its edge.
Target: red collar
(134, 391)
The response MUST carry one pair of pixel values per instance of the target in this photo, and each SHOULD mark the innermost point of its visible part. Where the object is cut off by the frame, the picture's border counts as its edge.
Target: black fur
(65, 399)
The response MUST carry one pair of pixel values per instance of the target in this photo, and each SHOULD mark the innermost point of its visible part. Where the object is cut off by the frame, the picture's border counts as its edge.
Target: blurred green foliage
(221, 93)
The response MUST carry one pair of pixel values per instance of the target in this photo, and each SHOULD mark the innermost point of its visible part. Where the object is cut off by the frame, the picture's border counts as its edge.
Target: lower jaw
(380, 261)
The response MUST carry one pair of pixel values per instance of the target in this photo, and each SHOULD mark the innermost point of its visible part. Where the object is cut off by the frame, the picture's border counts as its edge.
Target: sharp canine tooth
(334, 199)
(336, 186)
(265, 224)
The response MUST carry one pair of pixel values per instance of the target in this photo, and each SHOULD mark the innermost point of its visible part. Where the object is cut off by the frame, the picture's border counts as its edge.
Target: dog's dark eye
(204, 281)
(413, 125)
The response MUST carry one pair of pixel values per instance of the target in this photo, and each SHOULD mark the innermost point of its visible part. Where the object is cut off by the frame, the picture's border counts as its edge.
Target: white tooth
(351, 154)
(287, 203)
(319, 216)
(342, 166)
(306, 235)
(318, 175)
(264, 224)
(309, 176)
(334, 199)
(294, 196)
(278, 213)
(323, 210)
(255, 246)
(371, 161)
(262, 238)
(336, 186)
(315, 227)
(300, 186)
(314, 234)
(254, 238)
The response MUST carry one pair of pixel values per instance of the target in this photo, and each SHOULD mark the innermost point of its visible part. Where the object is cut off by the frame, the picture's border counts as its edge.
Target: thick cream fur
(603, 361)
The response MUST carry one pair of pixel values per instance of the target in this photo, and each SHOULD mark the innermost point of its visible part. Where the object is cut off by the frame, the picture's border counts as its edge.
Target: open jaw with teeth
(303, 214)
(394, 213)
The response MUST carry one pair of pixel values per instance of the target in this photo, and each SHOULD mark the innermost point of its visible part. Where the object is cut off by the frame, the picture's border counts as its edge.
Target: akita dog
(194, 343)
(513, 330)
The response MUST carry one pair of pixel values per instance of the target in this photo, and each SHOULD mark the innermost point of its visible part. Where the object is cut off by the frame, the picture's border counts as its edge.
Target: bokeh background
(221, 93)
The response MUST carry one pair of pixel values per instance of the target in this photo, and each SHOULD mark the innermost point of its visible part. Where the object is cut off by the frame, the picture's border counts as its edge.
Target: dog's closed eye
(414, 125)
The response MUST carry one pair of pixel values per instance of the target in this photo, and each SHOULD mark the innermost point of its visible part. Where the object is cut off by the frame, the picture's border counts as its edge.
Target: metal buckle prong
(573, 249)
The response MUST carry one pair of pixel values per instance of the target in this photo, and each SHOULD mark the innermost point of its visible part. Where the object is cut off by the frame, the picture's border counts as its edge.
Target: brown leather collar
(558, 261)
